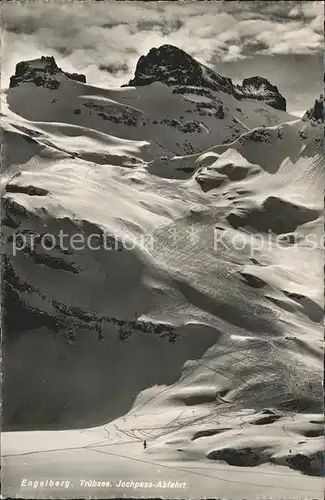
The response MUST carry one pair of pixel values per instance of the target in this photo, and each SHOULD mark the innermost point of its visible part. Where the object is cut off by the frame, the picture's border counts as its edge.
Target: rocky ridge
(316, 113)
(43, 72)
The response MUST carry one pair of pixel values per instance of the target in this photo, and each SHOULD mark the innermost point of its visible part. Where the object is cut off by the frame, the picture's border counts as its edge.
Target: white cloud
(84, 35)
(307, 9)
(290, 39)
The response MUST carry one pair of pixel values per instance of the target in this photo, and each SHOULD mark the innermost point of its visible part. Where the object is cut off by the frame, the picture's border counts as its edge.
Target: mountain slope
(174, 67)
(196, 321)
(174, 121)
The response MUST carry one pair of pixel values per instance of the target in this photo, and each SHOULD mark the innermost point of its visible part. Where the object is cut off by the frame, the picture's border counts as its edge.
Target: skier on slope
(144, 444)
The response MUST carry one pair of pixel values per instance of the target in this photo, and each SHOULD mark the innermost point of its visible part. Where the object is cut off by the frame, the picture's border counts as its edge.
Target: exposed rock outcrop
(174, 67)
(30, 190)
(317, 111)
(261, 89)
(43, 72)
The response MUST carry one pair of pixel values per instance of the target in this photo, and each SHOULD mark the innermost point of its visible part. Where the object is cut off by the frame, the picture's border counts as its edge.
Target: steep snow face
(174, 67)
(198, 314)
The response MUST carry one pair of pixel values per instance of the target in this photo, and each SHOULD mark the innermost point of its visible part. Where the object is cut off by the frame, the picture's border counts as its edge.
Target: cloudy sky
(282, 41)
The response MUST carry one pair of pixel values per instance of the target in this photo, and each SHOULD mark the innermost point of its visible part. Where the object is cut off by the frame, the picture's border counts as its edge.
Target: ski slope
(199, 329)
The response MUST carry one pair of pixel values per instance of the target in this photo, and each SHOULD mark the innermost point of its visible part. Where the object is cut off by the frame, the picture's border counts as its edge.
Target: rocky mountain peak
(317, 111)
(258, 83)
(258, 87)
(43, 72)
(172, 66)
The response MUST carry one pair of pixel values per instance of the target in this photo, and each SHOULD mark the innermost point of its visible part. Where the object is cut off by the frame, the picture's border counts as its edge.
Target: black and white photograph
(162, 250)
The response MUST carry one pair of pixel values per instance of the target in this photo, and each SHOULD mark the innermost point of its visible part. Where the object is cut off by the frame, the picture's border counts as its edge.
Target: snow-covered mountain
(177, 119)
(196, 323)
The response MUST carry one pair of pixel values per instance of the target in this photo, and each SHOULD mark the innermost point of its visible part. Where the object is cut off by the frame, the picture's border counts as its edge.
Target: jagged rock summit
(316, 113)
(174, 67)
(43, 72)
(257, 87)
